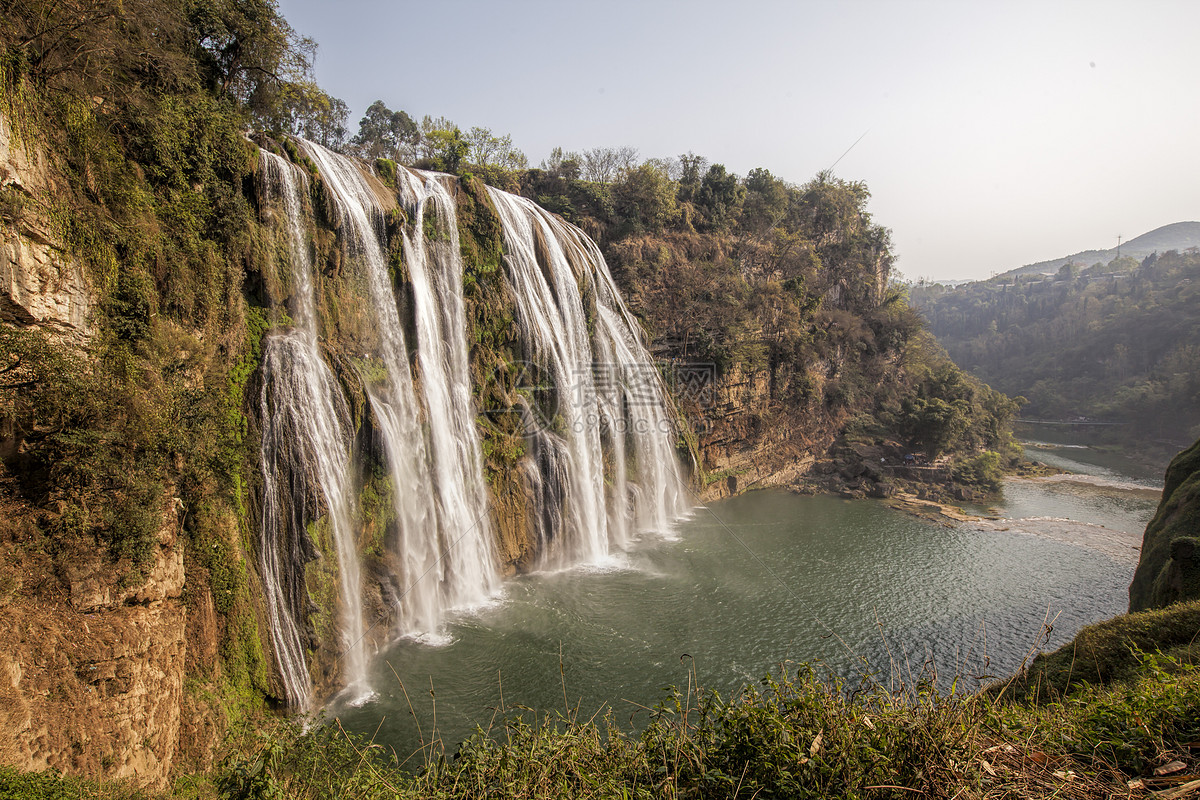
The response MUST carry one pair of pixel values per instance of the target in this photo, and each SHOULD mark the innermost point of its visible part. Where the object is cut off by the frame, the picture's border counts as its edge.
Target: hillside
(1117, 342)
(1176, 236)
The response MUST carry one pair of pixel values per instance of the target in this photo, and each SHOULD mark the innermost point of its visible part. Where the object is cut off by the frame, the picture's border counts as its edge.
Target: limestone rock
(40, 285)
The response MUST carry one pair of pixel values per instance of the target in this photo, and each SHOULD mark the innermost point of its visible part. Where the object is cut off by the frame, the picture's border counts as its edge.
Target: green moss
(245, 677)
(1168, 572)
(236, 423)
(397, 269)
(480, 233)
(385, 168)
(378, 509)
(321, 580)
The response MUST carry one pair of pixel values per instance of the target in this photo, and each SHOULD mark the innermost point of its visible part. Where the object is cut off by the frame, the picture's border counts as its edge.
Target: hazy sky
(997, 134)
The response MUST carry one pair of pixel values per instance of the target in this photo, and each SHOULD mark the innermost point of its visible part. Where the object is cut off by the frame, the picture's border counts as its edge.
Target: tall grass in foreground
(794, 735)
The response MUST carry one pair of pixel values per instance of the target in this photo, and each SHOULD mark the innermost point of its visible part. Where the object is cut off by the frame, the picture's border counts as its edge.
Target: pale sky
(997, 134)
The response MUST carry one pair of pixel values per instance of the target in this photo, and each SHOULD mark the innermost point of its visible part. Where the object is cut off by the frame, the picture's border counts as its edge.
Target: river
(769, 577)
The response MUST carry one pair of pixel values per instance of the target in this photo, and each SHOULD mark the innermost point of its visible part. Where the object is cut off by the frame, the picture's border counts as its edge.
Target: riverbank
(795, 735)
(1119, 544)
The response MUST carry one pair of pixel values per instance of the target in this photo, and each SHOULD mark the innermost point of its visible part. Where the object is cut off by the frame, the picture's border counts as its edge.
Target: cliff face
(94, 654)
(40, 285)
(114, 659)
(1169, 568)
(92, 670)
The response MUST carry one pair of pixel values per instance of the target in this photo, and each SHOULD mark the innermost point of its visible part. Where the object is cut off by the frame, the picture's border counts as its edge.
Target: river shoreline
(1123, 546)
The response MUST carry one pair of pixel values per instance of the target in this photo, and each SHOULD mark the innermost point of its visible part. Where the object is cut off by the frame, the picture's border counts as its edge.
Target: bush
(983, 470)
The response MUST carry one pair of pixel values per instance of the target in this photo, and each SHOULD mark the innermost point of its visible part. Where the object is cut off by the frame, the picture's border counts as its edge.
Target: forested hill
(1176, 236)
(1115, 342)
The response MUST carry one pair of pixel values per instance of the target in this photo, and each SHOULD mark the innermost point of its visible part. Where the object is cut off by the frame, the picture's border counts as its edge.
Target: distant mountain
(1113, 343)
(1176, 236)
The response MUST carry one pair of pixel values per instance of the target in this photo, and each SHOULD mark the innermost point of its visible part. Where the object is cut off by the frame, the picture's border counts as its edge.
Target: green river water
(753, 581)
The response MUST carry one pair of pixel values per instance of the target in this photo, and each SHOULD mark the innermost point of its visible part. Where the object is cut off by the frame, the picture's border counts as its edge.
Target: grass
(795, 734)
(799, 734)
(1112, 651)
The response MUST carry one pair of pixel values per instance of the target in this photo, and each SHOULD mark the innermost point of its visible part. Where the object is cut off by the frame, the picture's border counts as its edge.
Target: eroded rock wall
(93, 659)
(41, 286)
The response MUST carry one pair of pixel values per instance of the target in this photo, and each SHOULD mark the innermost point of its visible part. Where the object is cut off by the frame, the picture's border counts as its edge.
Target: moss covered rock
(1169, 569)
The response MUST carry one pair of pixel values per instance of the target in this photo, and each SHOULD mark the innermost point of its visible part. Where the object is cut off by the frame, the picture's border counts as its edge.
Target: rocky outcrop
(93, 654)
(41, 286)
(748, 437)
(1169, 568)
(92, 665)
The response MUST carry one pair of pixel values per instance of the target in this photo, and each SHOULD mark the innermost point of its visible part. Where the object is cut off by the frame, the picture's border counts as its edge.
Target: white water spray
(306, 434)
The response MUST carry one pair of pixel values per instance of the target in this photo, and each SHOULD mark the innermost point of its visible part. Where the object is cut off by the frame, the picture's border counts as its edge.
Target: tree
(646, 198)
(302, 108)
(246, 47)
(489, 150)
(766, 201)
(449, 149)
(691, 170)
(563, 164)
(720, 198)
(606, 164)
(383, 133)
(935, 424)
(427, 142)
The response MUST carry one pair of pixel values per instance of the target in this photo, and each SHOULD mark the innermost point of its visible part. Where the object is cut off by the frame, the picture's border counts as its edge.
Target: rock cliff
(1169, 569)
(41, 286)
(95, 657)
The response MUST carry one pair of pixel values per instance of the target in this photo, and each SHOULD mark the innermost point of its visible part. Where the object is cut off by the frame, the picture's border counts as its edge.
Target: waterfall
(600, 466)
(306, 437)
(445, 553)
(608, 390)
(436, 270)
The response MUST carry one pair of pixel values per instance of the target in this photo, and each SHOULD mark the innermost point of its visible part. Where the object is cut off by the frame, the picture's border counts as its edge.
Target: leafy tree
(719, 199)
(302, 108)
(563, 164)
(766, 202)
(489, 150)
(935, 424)
(246, 47)
(645, 199)
(383, 133)
(449, 149)
(691, 171)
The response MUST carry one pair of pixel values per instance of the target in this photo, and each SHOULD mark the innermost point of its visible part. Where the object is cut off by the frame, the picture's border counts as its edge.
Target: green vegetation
(1113, 651)
(138, 109)
(793, 735)
(1115, 342)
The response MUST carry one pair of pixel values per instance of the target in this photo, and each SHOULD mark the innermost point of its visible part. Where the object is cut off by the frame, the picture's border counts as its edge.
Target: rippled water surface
(770, 576)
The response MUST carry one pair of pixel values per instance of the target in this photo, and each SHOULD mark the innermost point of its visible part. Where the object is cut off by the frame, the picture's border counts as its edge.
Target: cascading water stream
(306, 435)
(445, 552)
(436, 271)
(601, 465)
(551, 314)
(610, 391)
(661, 498)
